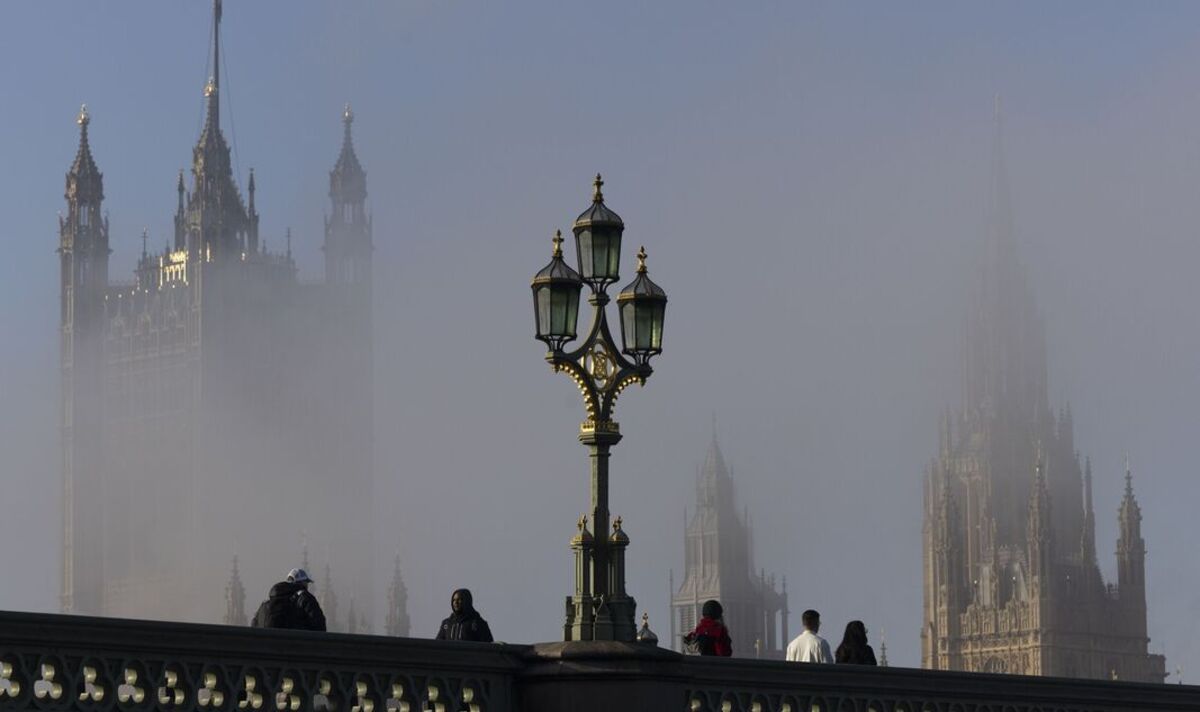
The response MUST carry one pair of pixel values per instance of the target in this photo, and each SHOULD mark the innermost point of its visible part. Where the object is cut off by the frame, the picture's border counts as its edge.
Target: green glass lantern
(642, 305)
(556, 299)
(598, 241)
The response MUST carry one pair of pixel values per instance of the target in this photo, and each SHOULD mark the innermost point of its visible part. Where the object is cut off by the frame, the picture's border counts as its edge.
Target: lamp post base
(600, 608)
(596, 619)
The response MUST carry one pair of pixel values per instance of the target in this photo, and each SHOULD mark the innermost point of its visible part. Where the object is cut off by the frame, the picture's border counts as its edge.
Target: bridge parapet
(54, 663)
(59, 663)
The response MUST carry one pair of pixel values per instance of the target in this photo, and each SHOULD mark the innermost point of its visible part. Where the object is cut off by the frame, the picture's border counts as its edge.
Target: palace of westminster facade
(216, 388)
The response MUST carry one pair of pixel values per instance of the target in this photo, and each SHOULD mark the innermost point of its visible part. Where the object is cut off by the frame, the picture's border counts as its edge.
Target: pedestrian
(291, 605)
(854, 649)
(464, 622)
(808, 647)
(710, 637)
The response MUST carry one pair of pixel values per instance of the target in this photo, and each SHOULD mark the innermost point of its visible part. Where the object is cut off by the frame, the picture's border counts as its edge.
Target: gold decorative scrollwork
(599, 364)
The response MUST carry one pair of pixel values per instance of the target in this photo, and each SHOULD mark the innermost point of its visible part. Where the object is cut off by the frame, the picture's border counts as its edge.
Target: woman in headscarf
(854, 649)
(464, 622)
(710, 637)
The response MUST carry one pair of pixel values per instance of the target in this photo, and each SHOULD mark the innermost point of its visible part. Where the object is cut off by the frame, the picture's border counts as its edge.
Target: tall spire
(397, 614)
(213, 89)
(1130, 518)
(999, 209)
(1088, 543)
(1040, 532)
(347, 180)
(235, 598)
(329, 599)
(1131, 560)
(84, 180)
(1005, 360)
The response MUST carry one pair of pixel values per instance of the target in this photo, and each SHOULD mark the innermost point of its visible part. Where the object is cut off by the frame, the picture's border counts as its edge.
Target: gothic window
(995, 665)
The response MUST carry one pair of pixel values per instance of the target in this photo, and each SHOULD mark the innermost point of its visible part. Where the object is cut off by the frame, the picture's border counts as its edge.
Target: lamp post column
(600, 608)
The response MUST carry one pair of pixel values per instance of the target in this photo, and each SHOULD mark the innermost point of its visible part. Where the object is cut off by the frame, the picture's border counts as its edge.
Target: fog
(809, 181)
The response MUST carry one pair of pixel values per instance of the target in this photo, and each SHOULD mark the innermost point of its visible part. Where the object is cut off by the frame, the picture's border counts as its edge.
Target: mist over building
(1011, 579)
(719, 565)
(216, 404)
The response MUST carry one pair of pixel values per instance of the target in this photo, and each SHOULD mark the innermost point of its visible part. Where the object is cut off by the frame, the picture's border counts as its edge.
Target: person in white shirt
(808, 647)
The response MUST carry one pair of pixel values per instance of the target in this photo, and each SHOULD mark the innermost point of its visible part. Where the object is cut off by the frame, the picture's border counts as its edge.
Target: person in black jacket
(854, 649)
(464, 622)
(291, 605)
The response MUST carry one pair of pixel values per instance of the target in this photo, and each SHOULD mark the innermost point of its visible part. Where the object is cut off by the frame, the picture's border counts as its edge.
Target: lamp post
(600, 608)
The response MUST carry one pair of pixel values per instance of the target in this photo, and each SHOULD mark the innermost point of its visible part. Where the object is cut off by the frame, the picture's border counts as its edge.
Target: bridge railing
(53, 663)
(70, 663)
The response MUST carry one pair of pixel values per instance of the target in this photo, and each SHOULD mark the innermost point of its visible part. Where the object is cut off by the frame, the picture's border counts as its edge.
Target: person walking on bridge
(808, 647)
(710, 637)
(290, 605)
(854, 649)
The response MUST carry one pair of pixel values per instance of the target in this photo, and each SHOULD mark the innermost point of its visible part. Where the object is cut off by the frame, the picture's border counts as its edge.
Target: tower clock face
(599, 364)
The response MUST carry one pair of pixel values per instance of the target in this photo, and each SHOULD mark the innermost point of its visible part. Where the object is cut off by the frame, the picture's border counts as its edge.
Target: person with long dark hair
(710, 637)
(854, 649)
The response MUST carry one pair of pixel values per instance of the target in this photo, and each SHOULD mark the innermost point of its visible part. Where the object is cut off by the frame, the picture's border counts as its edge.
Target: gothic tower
(397, 613)
(235, 598)
(212, 393)
(83, 253)
(1131, 561)
(1011, 580)
(348, 228)
(718, 564)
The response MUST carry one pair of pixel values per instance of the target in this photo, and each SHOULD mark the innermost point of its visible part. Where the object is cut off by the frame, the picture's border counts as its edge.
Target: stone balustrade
(56, 663)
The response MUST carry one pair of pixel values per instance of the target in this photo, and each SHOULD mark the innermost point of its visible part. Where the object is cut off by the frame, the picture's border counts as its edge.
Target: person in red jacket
(711, 637)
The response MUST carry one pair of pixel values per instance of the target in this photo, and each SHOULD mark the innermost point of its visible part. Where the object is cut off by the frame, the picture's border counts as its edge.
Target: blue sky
(808, 179)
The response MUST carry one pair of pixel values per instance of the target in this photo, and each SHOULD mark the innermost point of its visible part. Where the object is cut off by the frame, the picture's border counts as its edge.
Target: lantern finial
(597, 196)
(558, 241)
(641, 268)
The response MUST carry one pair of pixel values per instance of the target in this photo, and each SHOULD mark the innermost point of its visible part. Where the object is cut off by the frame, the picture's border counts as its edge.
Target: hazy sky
(809, 181)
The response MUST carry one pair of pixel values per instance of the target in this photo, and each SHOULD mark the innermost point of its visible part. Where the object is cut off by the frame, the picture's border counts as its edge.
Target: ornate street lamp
(600, 608)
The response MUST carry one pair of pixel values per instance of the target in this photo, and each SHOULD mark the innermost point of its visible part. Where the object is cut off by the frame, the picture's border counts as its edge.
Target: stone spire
(217, 216)
(1005, 367)
(348, 180)
(715, 482)
(329, 601)
(235, 598)
(351, 618)
(1040, 526)
(85, 183)
(397, 615)
(1131, 559)
(348, 244)
(1087, 545)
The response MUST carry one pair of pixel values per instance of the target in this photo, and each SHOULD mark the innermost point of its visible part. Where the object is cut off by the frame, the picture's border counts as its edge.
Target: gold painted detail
(599, 364)
(574, 373)
(603, 426)
(173, 268)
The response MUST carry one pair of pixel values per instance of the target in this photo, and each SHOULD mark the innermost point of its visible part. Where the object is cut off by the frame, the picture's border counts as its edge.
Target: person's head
(811, 620)
(461, 601)
(300, 577)
(856, 634)
(712, 609)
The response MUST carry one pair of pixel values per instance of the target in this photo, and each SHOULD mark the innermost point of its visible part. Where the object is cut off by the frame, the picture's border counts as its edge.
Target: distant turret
(329, 601)
(348, 244)
(235, 598)
(83, 255)
(1131, 559)
(1040, 533)
(397, 614)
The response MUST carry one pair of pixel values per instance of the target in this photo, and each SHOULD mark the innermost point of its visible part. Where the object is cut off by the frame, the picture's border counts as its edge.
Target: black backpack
(279, 612)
